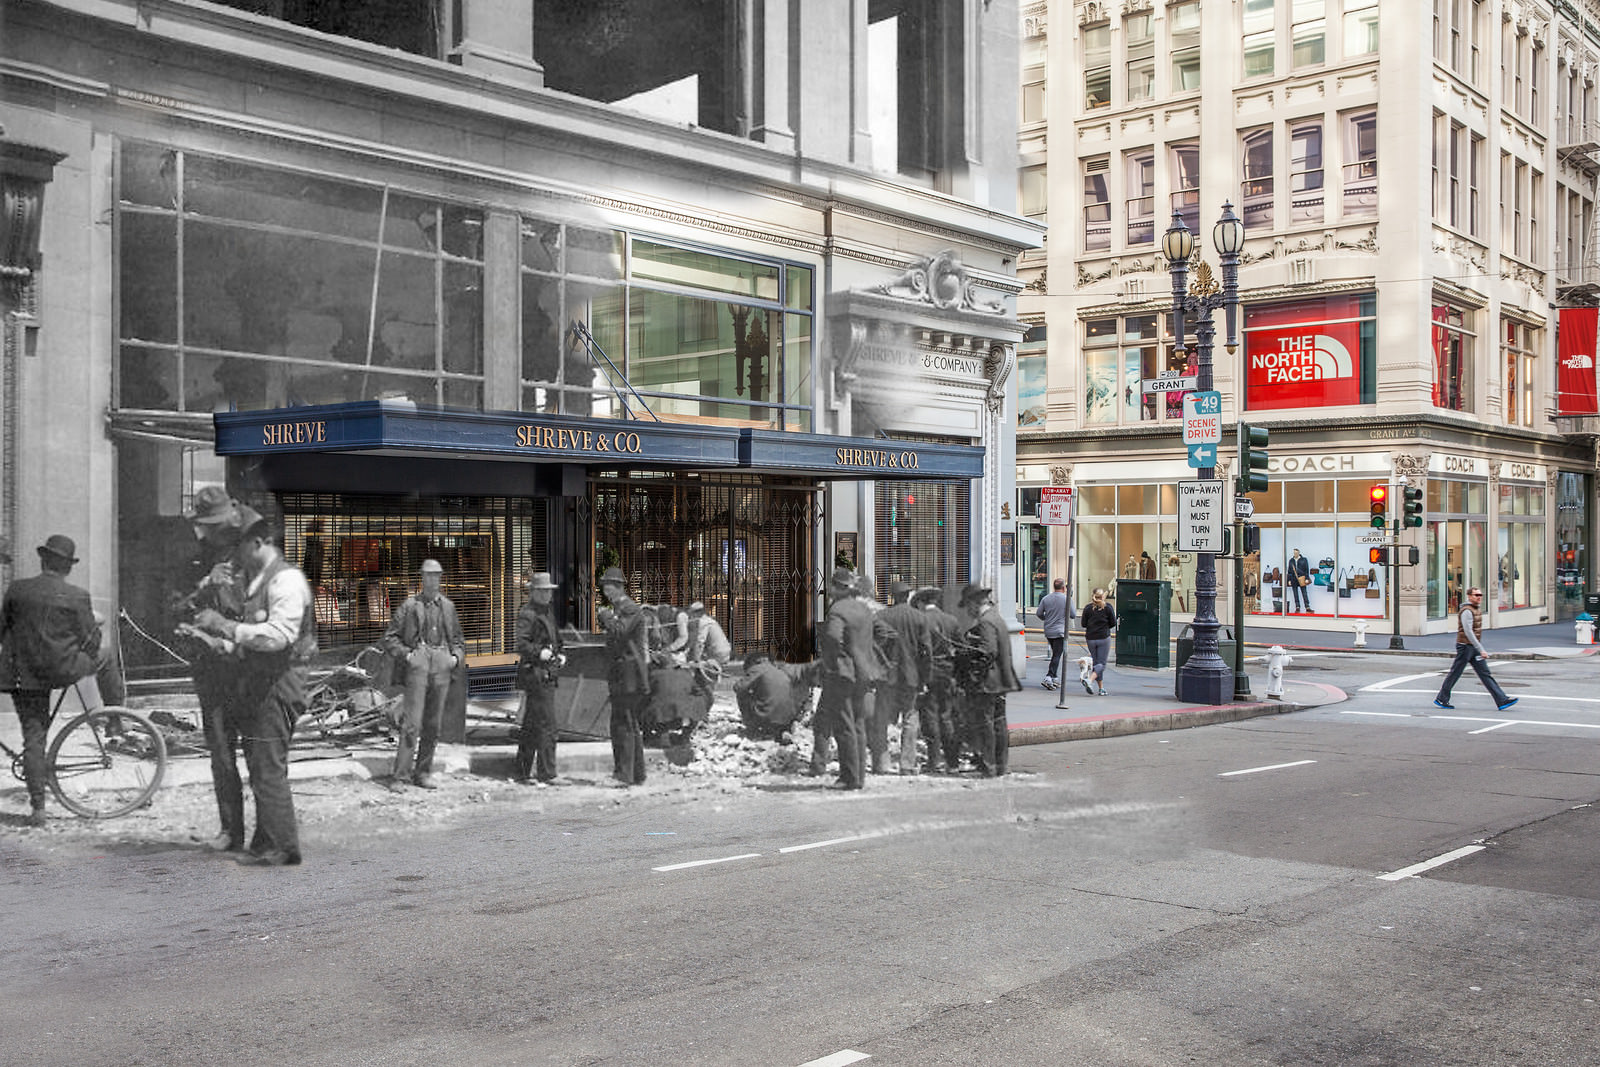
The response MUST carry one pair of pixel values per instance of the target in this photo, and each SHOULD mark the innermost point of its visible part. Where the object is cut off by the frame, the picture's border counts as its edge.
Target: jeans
(421, 707)
(1299, 593)
(1099, 653)
(1467, 654)
(1058, 647)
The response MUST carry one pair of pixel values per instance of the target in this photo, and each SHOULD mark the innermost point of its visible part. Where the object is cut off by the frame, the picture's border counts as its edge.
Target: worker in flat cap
(852, 666)
(49, 639)
(426, 634)
(909, 657)
(990, 643)
(628, 675)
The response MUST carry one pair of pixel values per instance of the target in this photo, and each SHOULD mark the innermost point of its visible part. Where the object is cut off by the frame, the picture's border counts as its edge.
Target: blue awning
(392, 428)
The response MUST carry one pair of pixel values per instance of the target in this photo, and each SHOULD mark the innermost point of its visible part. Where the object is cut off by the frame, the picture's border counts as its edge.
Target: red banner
(1575, 349)
(1294, 358)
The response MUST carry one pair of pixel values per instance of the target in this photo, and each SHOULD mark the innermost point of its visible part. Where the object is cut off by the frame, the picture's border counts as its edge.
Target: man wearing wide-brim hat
(628, 675)
(851, 667)
(539, 649)
(426, 634)
(990, 643)
(49, 639)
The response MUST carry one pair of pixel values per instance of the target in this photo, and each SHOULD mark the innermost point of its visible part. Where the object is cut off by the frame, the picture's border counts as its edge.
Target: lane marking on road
(838, 1059)
(825, 844)
(1512, 722)
(703, 863)
(1378, 687)
(1428, 865)
(1434, 691)
(1382, 714)
(1272, 767)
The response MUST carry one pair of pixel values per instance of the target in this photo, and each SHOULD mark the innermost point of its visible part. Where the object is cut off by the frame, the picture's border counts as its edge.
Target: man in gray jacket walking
(1052, 612)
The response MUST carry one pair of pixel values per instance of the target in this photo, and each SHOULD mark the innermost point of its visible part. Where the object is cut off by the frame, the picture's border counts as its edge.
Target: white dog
(1086, 674)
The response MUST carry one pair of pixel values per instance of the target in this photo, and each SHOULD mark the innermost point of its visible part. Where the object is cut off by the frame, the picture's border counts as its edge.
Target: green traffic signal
(1252, 458)
(1412, 507)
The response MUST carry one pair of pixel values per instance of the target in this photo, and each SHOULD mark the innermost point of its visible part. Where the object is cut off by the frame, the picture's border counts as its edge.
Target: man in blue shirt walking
(1052, 612)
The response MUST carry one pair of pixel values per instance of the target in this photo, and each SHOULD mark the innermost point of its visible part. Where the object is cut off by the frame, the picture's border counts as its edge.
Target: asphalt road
(1202, 896)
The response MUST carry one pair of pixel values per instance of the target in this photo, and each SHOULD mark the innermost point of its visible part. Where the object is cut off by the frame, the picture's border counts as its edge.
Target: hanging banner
(1575, 349)
(1291, 362)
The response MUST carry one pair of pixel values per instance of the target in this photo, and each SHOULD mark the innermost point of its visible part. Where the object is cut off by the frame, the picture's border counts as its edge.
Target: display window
(1316, 541)
(1571, 520)
(1519, 547)
(1129, 532)
(1311, 353)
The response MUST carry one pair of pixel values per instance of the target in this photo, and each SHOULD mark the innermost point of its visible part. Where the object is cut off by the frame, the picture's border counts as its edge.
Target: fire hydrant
(1277, 660)
(1361, 634)
(1584, 625)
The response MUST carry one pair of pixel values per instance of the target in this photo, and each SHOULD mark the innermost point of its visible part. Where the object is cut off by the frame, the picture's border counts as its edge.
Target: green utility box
(1144, 623)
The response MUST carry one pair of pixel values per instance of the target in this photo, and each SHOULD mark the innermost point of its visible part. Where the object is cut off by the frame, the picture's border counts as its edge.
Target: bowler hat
(973, 591)
(613, 576)
(697, 608)
(431, 566)
(213, 505)
(60, 546)
(541, 580)
(843, 578)
(899, 591)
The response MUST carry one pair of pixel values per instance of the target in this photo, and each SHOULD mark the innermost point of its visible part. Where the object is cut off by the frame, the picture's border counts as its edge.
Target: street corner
(1299, 695)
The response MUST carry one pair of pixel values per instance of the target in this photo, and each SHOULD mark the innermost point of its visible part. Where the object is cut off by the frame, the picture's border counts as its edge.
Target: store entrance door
(1033, 571)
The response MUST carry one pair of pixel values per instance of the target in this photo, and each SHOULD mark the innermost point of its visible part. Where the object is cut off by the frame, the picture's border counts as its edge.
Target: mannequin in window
(1299, 577)
(1147, 567)
(1174, 577)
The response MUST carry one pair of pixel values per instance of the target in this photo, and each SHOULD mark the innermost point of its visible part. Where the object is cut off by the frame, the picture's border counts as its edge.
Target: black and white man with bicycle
(274, 645)
(49, 639)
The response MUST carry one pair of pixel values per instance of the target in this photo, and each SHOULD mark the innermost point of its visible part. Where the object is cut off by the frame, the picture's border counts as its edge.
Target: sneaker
(1509, 703)
(1088, 687)
(1442, 704)
(1102, 690)
(1047, 684)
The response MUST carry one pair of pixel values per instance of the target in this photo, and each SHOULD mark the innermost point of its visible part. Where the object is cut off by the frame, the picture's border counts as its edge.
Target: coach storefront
(731, 516)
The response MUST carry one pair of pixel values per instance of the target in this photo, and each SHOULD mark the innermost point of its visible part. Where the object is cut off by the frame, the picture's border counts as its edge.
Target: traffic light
(1378, 556)
(1252, 458)
(1412, 506)
(1380, 506)
(1252, 539)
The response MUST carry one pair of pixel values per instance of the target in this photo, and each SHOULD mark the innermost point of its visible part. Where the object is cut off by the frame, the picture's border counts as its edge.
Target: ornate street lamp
(1205, 678)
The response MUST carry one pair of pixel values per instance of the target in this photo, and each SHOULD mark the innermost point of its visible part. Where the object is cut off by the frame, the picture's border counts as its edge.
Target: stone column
(502, 312)
(496, 38)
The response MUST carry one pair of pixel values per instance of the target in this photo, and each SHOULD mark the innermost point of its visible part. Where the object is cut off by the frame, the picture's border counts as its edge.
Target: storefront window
(1130, 539)
(1118, 355)
(1311, 353)
(1456, 554)
(1572, 543)
(1452, 358)
(1519, 561)
(293, 288)
(1315, 560)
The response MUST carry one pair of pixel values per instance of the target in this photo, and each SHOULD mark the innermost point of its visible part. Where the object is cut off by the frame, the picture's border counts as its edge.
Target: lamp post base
(1202, 682)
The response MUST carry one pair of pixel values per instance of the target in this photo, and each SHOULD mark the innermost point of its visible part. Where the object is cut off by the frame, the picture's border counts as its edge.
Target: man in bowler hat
(851, 666)
(426, 633)
(628, 675)
(49, 639)
(540, 650)
(987, 699)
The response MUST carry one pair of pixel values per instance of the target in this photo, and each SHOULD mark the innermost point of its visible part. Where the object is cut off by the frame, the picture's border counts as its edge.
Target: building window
(1260, 38)
(1141, 200)
(1360, 27)
(1458, 32)
(1033, 96)
(1535, 235)
(1520, 346)
(1256, 193)
(1183, 40)
(1138, 32)
(1452, 358)
(1519, 551)
(1308, 33)
(1118, 355)
(1097, 66)
(251, 287)
(1475, 178)
(1314, 353)
(1186, 183)
(1096, 206)
(1456, 552)
(1033, 192)
(1457, 152)
(1305, 173)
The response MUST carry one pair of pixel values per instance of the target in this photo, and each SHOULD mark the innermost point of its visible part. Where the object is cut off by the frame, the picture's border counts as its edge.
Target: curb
(1144, 722)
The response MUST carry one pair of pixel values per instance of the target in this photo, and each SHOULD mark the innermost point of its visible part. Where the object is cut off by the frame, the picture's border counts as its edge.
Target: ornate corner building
(715, 293)
(1417, 287)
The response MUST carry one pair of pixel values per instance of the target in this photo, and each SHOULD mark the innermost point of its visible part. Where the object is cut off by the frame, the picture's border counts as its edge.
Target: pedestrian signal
(1252, 539)
(1411, 504)
(1380, 506)
(1378, 556)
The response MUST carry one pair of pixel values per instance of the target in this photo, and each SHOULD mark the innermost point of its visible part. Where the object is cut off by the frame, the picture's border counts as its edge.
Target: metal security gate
(743, 548)
(923, 533)
(361, 554)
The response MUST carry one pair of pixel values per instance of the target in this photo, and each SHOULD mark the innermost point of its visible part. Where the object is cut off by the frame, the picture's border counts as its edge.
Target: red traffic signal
(1379, 495)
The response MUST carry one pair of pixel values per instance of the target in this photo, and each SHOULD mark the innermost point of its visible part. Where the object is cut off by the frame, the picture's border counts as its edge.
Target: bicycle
(103, 763)
(345, 704)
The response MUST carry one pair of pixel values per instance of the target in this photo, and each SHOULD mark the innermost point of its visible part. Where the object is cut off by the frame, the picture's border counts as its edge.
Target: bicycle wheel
(106, 763)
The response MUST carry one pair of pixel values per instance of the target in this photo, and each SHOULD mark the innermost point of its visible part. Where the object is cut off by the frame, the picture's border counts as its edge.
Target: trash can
(1144, 623)
(1225, 645)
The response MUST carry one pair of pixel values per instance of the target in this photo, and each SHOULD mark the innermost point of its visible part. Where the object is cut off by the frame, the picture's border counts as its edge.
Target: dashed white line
(838, 1059)
(1272, 767)
(1428, 865)
(1378, 687)
(1381, 714)
(702, 863)
(825, 844)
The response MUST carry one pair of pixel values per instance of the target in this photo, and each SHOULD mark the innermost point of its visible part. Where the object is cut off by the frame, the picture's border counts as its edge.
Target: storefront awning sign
(386, 428)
